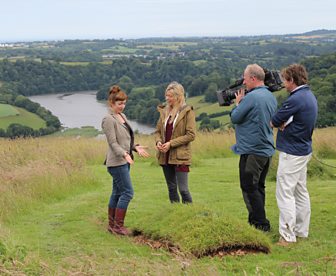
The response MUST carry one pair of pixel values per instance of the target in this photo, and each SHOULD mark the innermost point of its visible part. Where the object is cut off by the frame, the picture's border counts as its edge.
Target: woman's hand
(128, 158)
(141, 151)
(165, 147)
(159, 146)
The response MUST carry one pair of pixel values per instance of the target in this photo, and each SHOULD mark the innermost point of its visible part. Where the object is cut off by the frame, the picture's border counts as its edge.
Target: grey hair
(254, 70)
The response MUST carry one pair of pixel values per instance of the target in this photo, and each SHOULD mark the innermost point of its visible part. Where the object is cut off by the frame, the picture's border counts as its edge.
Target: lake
(77, 109)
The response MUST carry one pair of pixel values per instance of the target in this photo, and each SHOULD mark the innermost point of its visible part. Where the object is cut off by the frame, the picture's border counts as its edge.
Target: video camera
(272, 80)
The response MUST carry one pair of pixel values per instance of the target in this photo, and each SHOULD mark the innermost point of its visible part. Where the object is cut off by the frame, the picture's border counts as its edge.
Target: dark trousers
(252, 172)
(176, 180)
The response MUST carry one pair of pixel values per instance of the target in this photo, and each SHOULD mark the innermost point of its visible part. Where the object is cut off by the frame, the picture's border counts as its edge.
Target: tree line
(209, 65)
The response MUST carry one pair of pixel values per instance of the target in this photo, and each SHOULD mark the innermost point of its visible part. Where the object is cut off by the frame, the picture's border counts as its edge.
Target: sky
(30, 20)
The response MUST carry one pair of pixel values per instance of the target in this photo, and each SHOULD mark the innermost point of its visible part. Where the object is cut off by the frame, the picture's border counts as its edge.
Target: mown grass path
(69, 236)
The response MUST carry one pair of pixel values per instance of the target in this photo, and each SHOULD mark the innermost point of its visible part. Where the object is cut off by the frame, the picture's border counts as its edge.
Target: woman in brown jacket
(120, 139)
(175, 130)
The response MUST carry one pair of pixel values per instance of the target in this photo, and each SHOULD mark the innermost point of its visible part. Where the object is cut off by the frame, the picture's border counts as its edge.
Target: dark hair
(296, 73)
(116, 94)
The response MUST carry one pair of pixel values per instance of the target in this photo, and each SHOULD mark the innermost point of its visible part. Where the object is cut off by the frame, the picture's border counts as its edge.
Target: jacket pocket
(183, 153)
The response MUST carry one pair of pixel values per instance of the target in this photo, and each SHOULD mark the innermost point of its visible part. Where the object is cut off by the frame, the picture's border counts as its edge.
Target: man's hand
(239, 95)
(281, 127)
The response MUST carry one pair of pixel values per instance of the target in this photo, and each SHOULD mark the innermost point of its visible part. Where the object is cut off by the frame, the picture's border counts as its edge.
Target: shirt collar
(299, 87)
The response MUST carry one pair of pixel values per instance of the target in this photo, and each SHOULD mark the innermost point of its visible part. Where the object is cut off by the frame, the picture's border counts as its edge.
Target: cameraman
(255, 144)
(296, 120)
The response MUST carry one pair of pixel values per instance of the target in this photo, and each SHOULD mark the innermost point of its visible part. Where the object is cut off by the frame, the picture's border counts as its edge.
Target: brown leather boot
(111, 219)
(119, 222)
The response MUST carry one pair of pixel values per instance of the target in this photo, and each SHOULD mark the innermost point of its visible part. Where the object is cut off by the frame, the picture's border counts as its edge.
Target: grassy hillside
(200, 106)
(8, 110)
(53, 213)
(10, 115)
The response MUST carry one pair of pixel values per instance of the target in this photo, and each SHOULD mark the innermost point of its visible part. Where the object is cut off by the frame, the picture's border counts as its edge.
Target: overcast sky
(25, 20)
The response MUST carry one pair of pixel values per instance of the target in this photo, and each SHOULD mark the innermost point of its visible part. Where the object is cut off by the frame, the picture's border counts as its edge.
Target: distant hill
(320, 32)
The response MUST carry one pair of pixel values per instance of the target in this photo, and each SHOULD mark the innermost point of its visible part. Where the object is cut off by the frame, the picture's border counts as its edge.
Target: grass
(53, 214)
(8, 110)
(85, 131)
(199, 221)
(25, 118)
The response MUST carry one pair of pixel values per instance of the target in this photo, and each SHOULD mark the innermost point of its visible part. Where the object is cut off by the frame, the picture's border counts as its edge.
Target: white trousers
(292, 196)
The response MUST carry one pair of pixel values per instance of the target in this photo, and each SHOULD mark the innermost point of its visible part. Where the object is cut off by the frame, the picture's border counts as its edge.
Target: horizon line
(154, 37)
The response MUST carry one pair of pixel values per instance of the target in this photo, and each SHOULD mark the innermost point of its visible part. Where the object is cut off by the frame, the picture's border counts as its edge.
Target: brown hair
(296, 73)
(116, 94)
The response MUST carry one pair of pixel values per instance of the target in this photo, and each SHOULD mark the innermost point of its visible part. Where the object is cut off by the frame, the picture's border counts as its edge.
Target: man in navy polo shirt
(295, 121)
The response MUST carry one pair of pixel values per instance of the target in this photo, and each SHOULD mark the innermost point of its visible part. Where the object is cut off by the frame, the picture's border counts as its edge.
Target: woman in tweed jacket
(120, 139)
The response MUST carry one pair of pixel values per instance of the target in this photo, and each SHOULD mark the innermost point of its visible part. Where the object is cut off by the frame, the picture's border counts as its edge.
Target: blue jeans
(122, 190)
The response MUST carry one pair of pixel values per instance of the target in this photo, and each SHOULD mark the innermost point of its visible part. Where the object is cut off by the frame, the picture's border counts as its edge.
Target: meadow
(8, 110)
(16, 115)
(54, 193)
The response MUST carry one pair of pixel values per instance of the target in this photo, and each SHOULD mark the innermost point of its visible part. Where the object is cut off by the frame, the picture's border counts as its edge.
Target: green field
(10, 115)
(200, 106)
(53, 213)
(8, 110)
(119, 49)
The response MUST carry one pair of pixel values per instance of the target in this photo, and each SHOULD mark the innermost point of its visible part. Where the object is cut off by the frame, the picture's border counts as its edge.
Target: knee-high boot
(119, 222)
(111, 219)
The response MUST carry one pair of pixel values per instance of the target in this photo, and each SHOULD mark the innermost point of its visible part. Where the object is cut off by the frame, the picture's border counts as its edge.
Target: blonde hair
(178, 93)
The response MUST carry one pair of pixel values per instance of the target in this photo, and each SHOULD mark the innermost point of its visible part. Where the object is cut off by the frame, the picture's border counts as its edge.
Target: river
(77, 109)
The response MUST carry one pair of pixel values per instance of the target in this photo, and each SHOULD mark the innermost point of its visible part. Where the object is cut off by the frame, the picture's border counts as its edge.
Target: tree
(18, 130)
(211, 93)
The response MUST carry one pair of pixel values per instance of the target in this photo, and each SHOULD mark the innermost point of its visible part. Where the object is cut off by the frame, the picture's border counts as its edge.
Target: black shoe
(262, 227)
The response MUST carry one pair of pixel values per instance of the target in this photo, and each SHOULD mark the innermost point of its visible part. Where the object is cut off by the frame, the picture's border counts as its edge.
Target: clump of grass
(213, 144)
(15, 260)
(324, 142)
(199, 230)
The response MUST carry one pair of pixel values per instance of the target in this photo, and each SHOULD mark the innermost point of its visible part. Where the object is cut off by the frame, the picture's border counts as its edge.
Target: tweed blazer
(118, 138)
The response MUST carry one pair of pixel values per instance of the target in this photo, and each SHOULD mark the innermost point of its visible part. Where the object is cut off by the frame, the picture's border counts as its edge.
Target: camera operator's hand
(239, 95)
